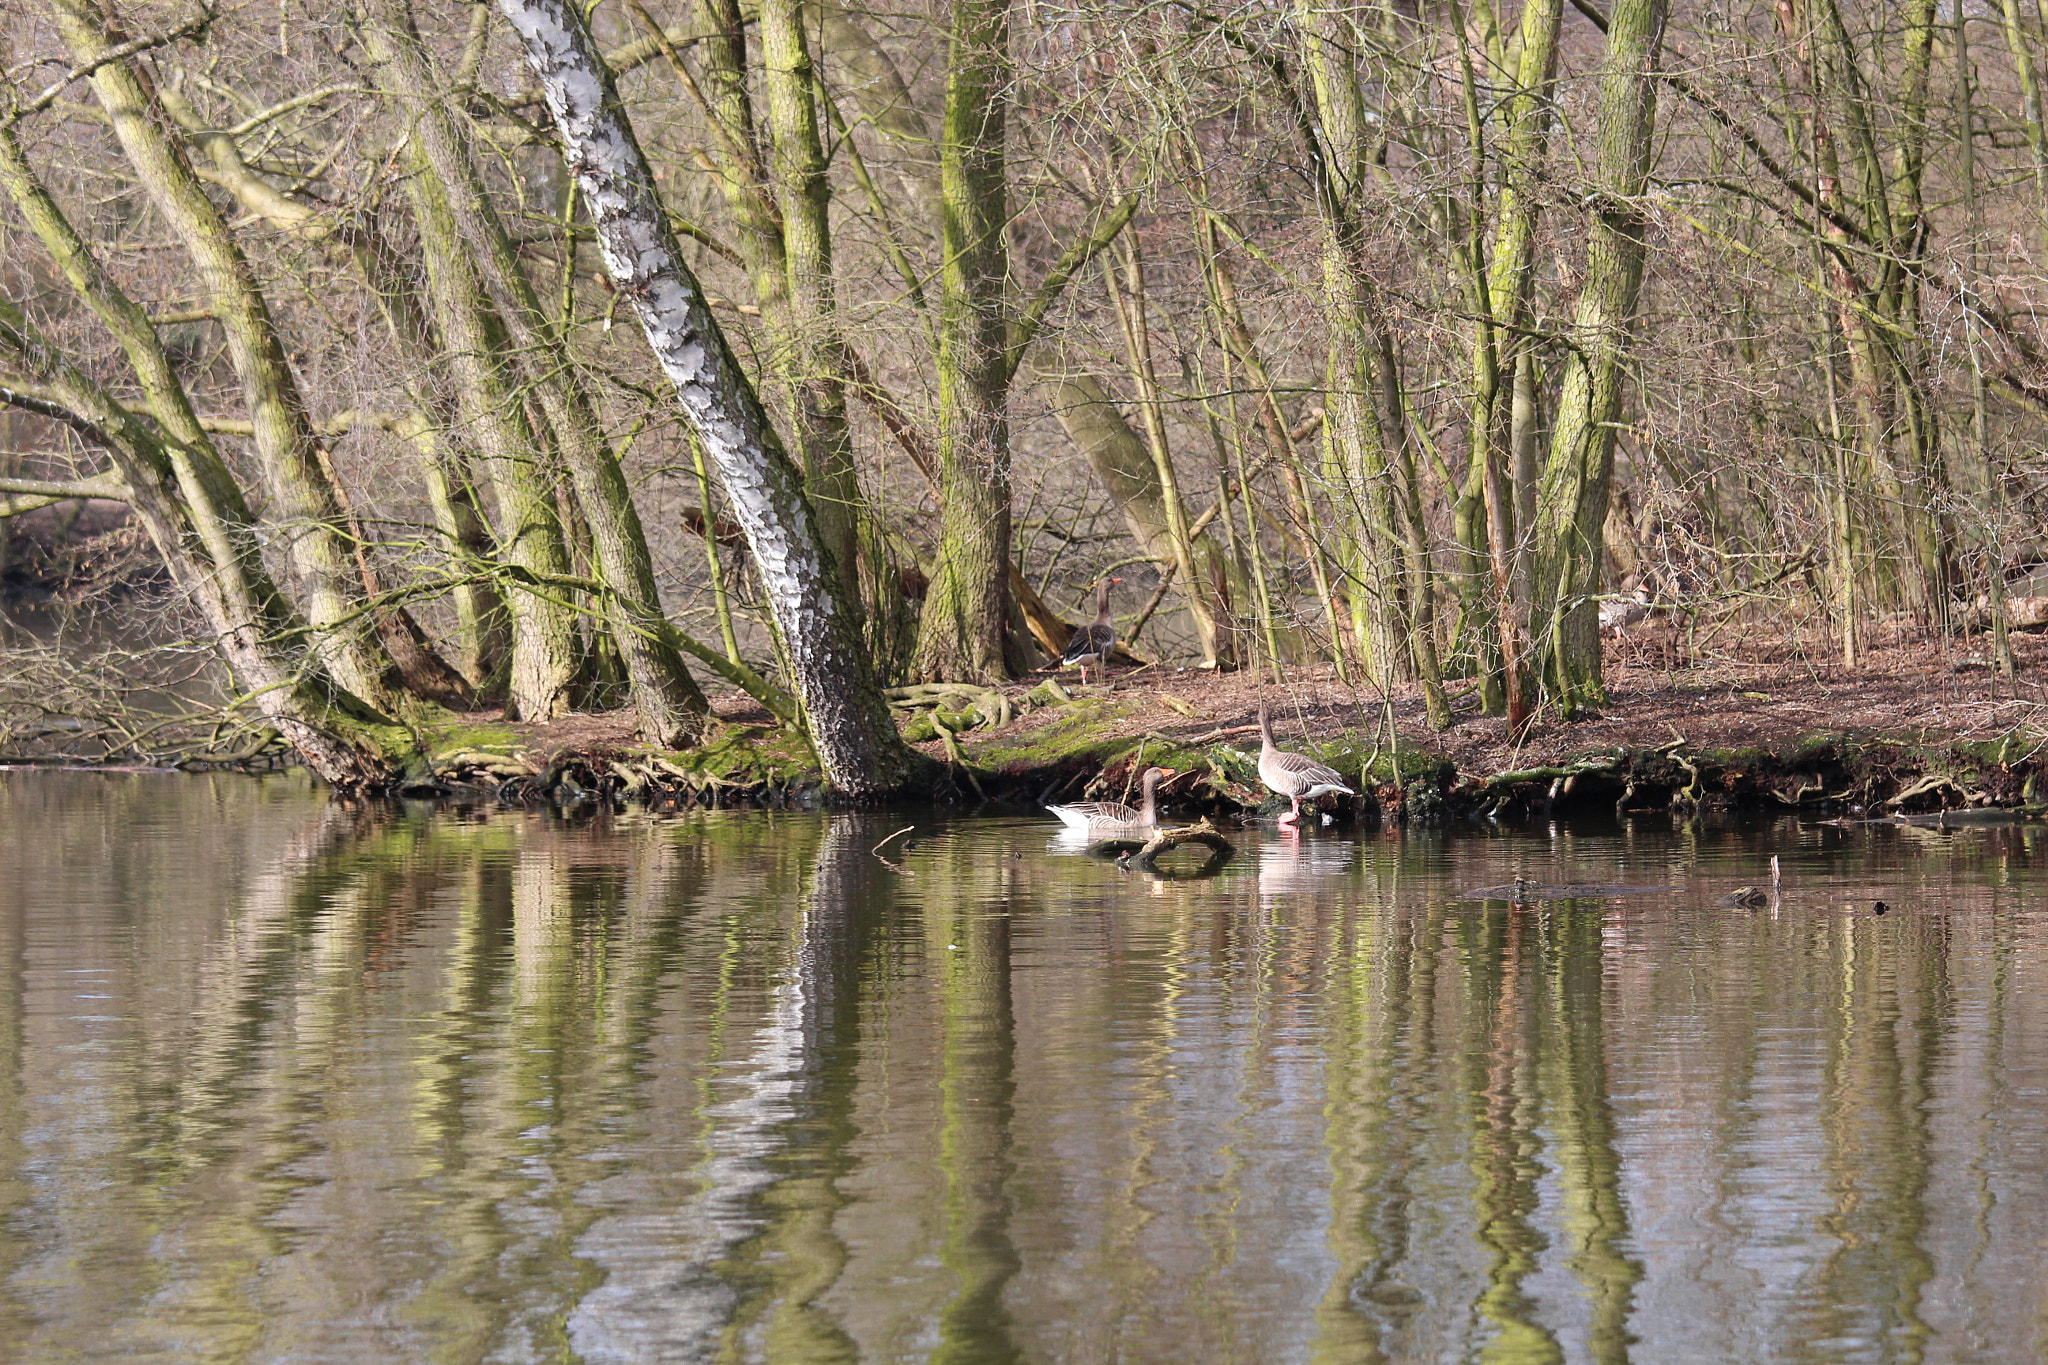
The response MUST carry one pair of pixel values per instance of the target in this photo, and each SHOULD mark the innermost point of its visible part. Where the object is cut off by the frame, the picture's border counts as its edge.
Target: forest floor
(1770, 723)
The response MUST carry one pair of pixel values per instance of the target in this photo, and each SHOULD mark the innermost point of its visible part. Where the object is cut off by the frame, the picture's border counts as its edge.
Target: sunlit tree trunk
(671, 707)
(1571, 512)
(482, 622)
(545, 649)
(1501, 286)
(813, 360)
(960, 637)
(850, 724)
(293, 460)
(1203, 585)
(1373, 453)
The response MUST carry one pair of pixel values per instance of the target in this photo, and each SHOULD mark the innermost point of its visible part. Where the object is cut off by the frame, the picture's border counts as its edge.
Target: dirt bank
(1915, 727)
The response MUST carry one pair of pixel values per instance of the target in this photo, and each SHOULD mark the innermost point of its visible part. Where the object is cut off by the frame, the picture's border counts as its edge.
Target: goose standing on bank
(1114, 819)
(1096, 641)
(1297, 777)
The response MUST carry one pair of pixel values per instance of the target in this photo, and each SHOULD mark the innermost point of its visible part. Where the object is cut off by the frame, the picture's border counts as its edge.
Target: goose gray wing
(1082, 813)
(1289, 773)
(1089, 642)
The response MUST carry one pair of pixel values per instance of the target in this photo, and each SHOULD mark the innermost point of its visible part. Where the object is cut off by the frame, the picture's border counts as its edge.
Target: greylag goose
(1095, 641)
(1617, 614)
(1297, 777)
(1114, 819)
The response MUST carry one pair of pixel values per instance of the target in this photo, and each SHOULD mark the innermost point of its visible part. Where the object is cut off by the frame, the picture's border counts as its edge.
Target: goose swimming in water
(1114, 819)
(1297, 777)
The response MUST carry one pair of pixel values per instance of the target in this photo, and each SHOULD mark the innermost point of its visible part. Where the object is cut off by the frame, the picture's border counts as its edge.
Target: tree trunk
(1502, 287)
(1571, 513)
(545, 649)
(672, 709)
(481, 614)
(1374, 460)
(293, 459)
(960, 638)
(193, 512)
(810, 353)
(849, 719)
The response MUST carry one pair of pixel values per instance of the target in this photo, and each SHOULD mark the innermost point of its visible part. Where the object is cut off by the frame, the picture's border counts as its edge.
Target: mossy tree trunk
(960, 637)
(483, 623)
(781, 202)
(811, 353)
(850, 724)
(1373, 456)
(294, 461)
(546, 651)
(672, 708)
(1571, 513)
(1501, 284)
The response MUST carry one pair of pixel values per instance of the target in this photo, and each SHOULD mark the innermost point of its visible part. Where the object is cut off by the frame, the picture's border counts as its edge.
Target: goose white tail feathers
(1074, 817)
(1295, 776)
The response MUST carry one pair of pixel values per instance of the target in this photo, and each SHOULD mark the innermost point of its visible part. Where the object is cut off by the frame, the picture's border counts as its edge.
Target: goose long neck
(1266, 745)
(1148, 804)
(1102, 604)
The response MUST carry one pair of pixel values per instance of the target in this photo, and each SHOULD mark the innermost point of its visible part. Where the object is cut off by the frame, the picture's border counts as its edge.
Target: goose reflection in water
(1296, 866)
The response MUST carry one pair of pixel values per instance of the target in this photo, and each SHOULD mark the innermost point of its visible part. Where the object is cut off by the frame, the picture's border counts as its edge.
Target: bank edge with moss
(1087, 752)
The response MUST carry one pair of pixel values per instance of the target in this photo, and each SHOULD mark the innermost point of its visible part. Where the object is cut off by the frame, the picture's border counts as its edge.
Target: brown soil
(1903, 690)
(1906, 691)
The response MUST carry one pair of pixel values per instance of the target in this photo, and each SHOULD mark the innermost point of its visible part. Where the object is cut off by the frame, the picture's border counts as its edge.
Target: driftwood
(1205, 833)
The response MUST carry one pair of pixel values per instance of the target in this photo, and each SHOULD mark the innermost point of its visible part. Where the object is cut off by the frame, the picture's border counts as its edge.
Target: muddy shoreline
(1917, 729)
(1912, 733)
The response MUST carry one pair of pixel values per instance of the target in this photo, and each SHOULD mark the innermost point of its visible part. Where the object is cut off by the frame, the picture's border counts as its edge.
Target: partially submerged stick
(1165, 840)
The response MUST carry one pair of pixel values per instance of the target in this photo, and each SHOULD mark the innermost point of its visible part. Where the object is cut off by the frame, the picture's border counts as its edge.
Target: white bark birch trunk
(856, 740)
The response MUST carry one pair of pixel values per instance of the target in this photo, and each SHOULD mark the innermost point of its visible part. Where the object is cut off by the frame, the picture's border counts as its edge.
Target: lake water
(282, 1080)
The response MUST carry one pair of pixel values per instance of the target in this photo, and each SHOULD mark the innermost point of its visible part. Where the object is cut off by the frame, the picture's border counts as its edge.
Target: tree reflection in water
(280, 1078)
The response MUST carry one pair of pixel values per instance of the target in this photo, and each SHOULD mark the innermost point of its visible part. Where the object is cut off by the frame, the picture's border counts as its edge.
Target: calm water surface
(280, 1081)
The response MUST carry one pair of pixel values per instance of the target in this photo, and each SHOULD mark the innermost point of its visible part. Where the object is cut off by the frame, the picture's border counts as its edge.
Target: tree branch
(1079, 252)
(58, 490)
(119, 52)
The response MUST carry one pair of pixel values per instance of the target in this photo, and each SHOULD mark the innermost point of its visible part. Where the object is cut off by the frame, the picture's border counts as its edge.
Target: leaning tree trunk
(545, 650)
(850, 723)
(482, 630)
(196, 519)
(672, 708)
(1571, 514)
(293, 459)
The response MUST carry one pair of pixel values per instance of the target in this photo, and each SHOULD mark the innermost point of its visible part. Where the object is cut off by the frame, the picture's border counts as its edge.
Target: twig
(897, 835)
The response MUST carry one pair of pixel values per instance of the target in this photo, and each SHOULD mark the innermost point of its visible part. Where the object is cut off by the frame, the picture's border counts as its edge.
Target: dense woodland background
(1394, 335)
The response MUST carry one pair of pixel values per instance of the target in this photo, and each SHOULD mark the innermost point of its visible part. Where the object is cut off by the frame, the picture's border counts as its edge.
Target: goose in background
(1114, 819)
(1297, 777)
(1617, 614)
(1095, 641)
